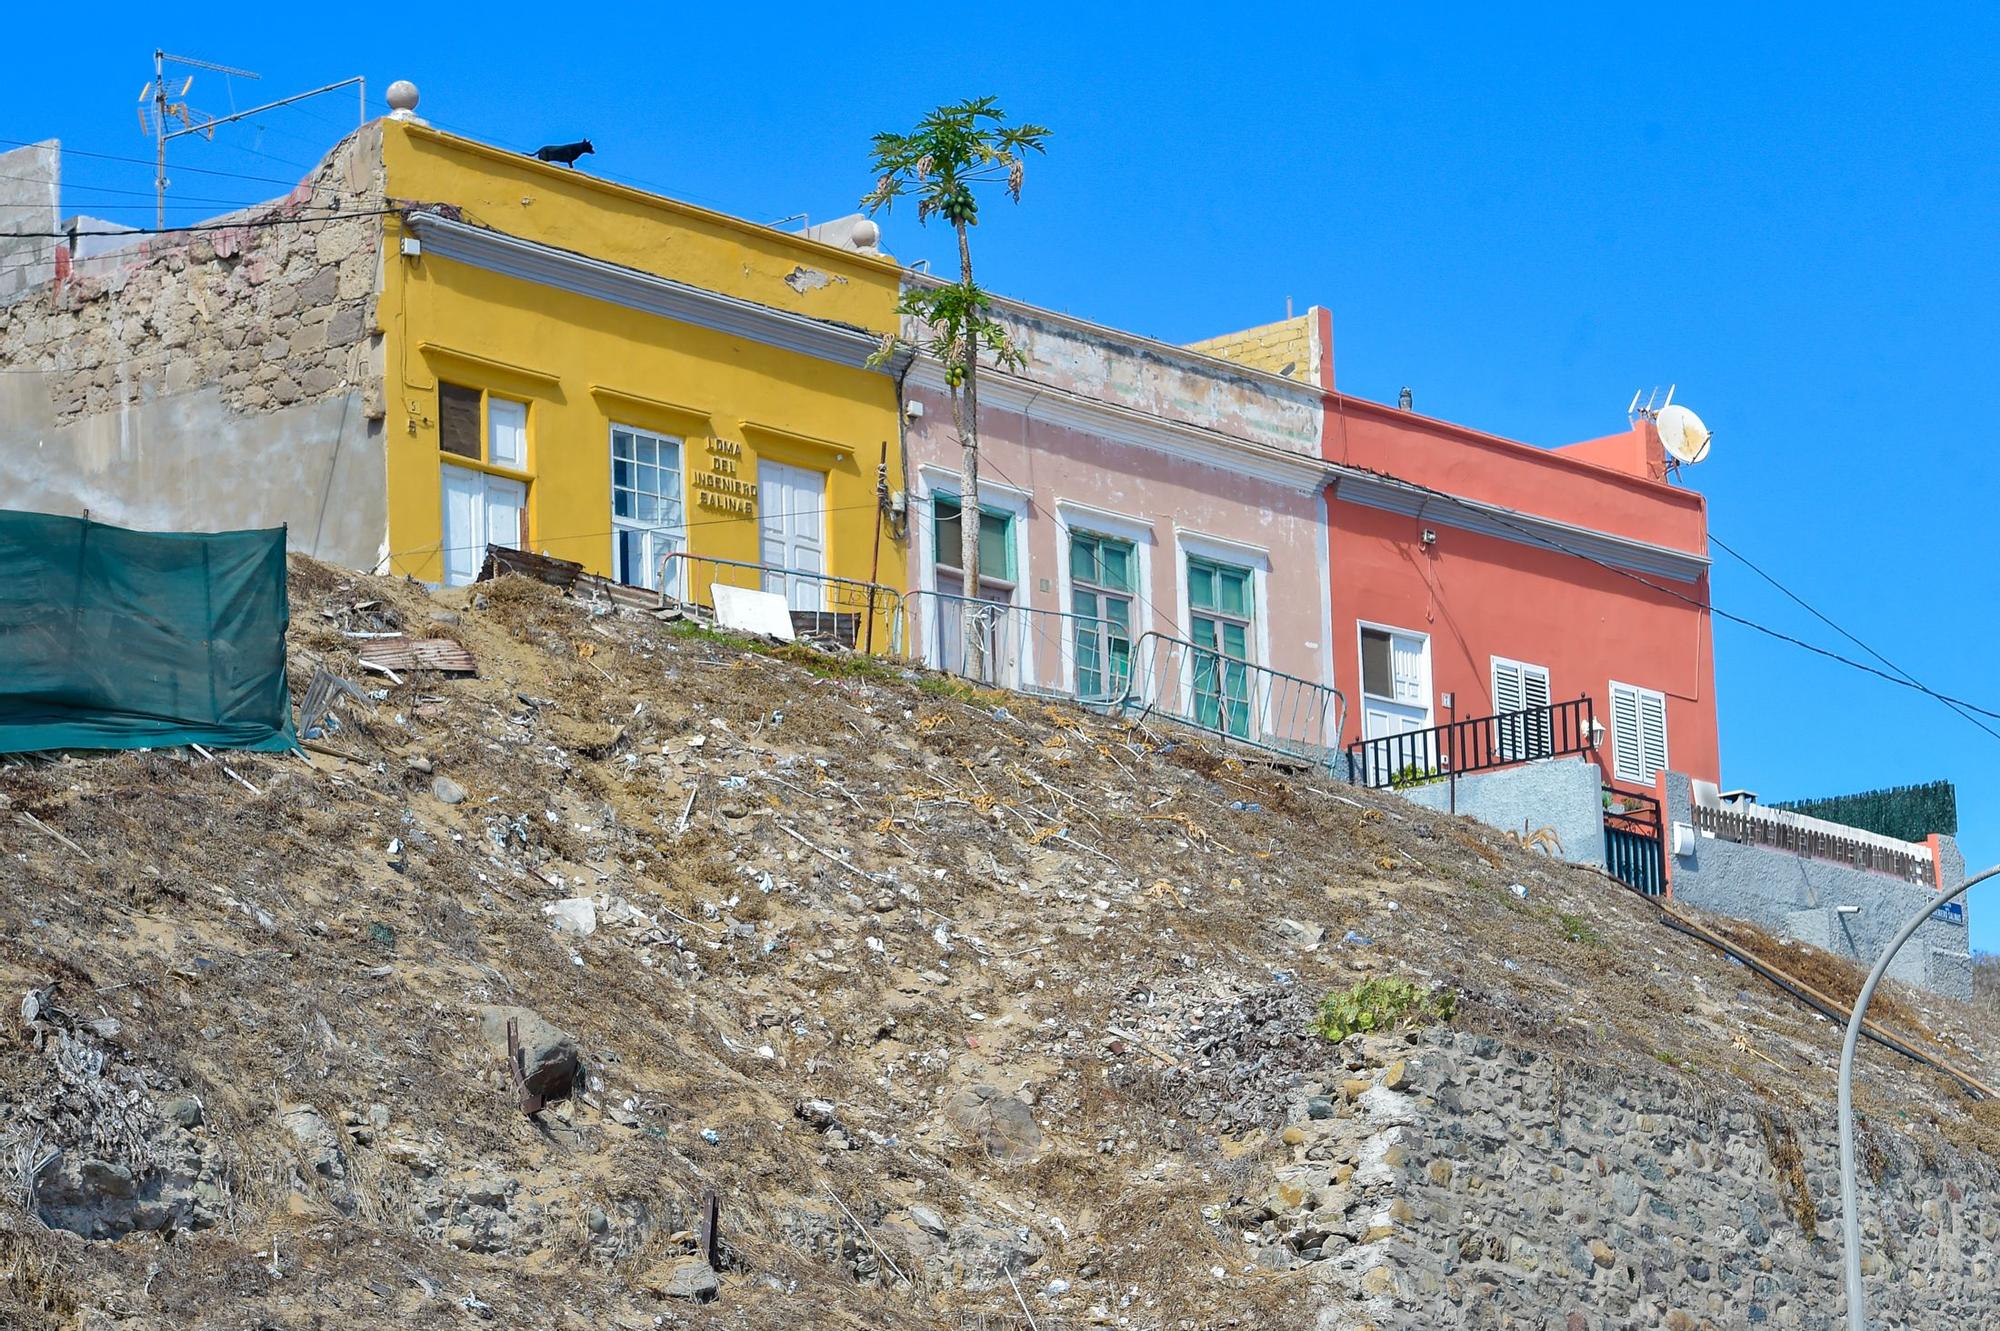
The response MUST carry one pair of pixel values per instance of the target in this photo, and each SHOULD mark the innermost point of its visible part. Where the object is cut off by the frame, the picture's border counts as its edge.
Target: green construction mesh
(116, 639)
(1908, 813)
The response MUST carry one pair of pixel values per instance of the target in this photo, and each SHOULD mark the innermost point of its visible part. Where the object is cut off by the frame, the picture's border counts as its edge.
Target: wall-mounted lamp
(913, 409)
(1430, 537)
(1596, 733)
(1847, 910)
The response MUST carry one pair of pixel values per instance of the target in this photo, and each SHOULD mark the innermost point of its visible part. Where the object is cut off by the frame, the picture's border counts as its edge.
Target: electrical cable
(1803, 604)
(208, 226)
(143, 161)
(1543, 539)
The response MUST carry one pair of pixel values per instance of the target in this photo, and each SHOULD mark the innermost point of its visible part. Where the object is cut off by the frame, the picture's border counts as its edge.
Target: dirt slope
(963, 1008)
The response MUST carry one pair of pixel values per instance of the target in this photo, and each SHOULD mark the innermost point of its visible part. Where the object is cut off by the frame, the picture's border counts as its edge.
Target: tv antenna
(161, 104)
(1653, 406)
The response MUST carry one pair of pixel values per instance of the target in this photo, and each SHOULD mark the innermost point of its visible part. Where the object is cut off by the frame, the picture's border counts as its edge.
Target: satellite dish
(1682, 434)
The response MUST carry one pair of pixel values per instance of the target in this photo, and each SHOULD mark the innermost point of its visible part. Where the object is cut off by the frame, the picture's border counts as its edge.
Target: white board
(748, 611)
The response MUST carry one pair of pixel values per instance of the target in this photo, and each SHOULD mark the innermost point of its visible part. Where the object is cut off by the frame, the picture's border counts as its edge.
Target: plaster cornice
(581, 275)
(1301, 472)
(1373, 490)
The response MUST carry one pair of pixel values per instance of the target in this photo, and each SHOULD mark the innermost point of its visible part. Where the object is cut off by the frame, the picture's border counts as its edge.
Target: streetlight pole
(1850, 1210)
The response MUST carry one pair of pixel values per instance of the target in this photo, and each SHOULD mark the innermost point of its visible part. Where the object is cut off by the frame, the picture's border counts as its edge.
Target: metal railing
(1053, 653)
(1748, 828)
(1475, 744)
(867, 616)
(1634, 844)
(1238, 700)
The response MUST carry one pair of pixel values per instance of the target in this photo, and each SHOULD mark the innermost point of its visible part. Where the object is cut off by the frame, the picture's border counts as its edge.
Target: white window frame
(1540, 742)
(1072, 517)
(1429, 684)
(1221, 550)
(1018, 503)
(661, 538)
(1628, 761)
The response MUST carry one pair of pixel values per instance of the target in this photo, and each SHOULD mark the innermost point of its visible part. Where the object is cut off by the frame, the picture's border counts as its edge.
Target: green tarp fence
(117, 639)
(1908, 813)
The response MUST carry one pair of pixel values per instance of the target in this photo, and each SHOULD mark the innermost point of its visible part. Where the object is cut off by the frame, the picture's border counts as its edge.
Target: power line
(254, 222)
(141, 161)
(1803, 604)
(1543, 539)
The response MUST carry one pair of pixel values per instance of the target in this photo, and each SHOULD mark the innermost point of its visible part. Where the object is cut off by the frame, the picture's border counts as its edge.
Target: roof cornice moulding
(1372, 490)
(578, 274)
(1301, 472)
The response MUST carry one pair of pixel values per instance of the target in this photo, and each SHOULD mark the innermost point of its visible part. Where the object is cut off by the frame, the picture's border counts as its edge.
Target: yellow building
(641, 386)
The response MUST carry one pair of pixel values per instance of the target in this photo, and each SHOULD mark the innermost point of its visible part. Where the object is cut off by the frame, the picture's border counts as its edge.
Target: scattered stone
(685, 1278)
(1004, 1125)
(924, 1218)
(549, 1057)
(447, 790)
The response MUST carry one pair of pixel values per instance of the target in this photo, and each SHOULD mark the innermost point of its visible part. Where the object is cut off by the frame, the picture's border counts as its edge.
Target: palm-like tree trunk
(972, 621)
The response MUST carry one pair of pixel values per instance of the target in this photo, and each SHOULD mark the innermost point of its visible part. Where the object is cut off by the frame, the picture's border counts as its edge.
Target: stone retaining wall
(1453, 1181)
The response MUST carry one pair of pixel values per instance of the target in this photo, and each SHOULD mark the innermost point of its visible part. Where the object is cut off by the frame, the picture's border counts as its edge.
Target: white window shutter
(1653, 733)
(1534, 686)
(1407, 655)
(1508, 694)
(1626, 759)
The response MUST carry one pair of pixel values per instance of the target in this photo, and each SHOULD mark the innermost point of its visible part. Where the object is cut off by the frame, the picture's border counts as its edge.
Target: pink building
(1153, 523)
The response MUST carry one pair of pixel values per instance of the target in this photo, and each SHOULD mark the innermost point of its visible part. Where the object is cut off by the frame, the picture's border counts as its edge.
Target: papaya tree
(943, 163)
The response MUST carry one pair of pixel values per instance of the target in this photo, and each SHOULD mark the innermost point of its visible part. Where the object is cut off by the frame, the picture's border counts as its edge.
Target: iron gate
(1633, 849)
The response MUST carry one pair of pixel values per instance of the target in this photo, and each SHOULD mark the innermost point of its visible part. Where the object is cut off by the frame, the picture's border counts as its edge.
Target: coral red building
(1474, 575)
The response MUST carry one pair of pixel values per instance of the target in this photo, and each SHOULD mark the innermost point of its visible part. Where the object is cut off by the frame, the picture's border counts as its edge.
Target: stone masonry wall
(218, 378)
(1448, 1180)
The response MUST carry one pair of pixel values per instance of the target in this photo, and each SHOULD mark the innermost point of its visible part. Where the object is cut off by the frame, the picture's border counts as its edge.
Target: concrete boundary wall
(1565, 794)
(1800, 898)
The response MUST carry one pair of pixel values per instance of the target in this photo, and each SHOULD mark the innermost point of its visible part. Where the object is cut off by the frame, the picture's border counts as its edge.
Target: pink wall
(1481, 596)
(1054, 463)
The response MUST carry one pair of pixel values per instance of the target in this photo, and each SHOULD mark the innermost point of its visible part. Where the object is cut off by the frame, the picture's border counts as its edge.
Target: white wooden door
(792, 516)
(479, 510)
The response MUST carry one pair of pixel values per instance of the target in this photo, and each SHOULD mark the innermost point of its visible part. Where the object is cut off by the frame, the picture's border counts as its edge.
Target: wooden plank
(440, 654)
(501, 559)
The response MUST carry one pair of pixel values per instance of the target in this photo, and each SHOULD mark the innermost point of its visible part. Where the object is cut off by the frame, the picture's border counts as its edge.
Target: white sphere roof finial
(402, 98)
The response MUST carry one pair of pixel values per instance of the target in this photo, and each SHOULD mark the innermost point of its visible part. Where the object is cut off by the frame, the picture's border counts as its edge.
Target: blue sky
(1524, 217)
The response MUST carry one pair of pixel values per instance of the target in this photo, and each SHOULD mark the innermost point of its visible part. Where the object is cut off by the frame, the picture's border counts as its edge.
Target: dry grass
(270, 950)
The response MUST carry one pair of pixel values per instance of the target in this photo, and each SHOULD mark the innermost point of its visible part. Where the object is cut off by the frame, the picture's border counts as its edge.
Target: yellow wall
(582, 364)
(1285, 347)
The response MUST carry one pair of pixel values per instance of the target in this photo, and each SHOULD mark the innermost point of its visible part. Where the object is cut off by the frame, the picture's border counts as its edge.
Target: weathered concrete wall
(1162, 380)
(1565, 794)
(30, 202)
(1452, 1181)
(1796, 897)
(217, 379)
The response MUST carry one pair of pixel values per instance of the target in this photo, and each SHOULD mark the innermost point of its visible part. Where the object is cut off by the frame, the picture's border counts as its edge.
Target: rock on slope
(950, 1008)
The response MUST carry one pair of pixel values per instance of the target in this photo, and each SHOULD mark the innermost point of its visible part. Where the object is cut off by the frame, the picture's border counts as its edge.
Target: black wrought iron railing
(1475, 744)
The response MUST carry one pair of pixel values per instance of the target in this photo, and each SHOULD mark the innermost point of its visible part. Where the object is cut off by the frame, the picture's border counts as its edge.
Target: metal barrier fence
(867, 616)
(1239, 700)
(1475, 744)
(1811, 842)
(1634, 842)
(1048, 652)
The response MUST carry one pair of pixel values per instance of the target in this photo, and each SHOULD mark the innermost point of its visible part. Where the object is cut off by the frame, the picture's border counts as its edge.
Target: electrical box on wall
(1683, 839)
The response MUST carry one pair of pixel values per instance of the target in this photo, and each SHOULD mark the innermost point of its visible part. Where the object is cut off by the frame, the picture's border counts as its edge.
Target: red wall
(1484, 596)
